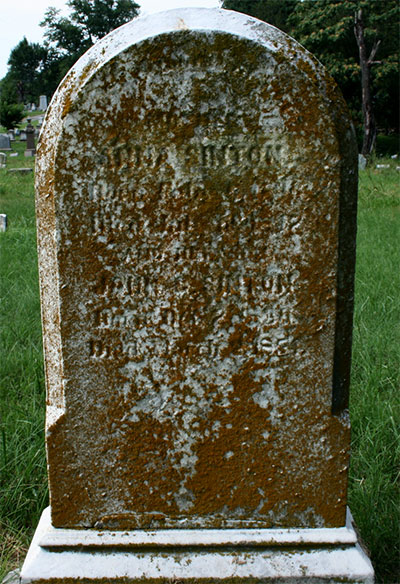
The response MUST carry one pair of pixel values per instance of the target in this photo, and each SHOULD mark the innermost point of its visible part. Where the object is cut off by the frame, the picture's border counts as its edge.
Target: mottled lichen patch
(189, 226)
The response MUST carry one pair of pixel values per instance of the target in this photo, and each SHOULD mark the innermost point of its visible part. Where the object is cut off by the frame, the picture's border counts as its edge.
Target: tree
(27, 60)
(365, 64)
(89, 21)
(275, 12)
(68, 37)
(11, 114)
(326, 29)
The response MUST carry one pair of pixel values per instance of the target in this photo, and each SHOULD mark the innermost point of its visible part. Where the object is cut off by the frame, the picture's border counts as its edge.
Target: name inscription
(209, 155)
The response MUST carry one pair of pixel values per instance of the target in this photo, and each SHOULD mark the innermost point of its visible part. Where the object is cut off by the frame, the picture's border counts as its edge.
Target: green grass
(375, 400)
(23, 490)
(374, 407)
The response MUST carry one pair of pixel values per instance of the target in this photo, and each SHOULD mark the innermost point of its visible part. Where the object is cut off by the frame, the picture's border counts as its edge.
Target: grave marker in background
(197, 319)
(3, 222)
(43, 103)
(30, 140)
(5, 143)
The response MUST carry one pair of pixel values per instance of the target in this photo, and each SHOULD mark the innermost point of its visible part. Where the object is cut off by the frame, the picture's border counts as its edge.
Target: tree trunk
(365, 64)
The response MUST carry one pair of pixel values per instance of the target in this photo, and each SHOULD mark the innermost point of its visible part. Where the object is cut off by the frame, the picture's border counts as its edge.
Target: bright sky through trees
(19, 18)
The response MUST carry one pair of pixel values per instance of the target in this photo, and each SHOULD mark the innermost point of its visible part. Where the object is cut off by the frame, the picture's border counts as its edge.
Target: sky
(19, 18)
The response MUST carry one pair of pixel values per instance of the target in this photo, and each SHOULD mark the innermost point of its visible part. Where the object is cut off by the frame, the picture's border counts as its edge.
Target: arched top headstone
(196, 186)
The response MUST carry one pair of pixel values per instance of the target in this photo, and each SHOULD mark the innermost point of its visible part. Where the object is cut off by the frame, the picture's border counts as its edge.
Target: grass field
(374, 408)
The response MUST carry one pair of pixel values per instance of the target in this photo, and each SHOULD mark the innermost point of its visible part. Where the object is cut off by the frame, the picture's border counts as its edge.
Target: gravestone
(197, 319)
(5, 142)
(43, 102)
(3, 222)
(30, 140)
(22, 135)
(3, 160)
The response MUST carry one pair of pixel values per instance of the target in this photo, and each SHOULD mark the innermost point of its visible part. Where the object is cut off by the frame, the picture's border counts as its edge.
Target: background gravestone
(5, 142)
(43, 102)
(30, 140)
(197, 317)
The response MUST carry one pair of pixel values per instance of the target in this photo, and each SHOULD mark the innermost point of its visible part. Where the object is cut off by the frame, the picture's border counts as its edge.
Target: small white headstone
(43, 102)
(362, 162)
(3, 222)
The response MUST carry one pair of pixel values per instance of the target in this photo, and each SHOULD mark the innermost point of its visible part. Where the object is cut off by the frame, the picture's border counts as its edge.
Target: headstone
(30, 140)
(11, 134)
(20, 170)
(197, 319)
(362, 162)
(3, 160)
(5, 142)
(3, 222)
(22, 135)
(43, 103)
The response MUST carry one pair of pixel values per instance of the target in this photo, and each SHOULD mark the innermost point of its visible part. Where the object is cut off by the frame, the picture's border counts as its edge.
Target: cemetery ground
(374, 407)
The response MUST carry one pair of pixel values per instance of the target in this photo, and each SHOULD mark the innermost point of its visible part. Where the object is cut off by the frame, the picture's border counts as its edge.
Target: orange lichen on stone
(194, 202)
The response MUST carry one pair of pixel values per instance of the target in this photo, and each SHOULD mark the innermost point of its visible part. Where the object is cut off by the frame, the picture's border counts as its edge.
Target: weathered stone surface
(197, 316)
(191, 556)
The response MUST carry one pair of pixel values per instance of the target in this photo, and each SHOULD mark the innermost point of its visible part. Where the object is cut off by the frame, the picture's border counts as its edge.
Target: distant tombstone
(11, 134)
(43, 103)
(20, 170)
(22, 135)
(362, 162)
(17, 132)
(197, 319)
(5, 142)
(3, 160)
(3, 222)
(30, 140)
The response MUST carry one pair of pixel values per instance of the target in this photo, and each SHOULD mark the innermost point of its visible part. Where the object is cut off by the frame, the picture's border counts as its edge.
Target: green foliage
(68, 37)
(26, 62)
(326, 29)
(11, 114)
(275, 12)
(89, 21)
(99, 17)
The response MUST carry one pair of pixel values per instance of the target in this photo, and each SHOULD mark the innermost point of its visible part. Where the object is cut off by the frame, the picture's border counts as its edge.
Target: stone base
(205, 556)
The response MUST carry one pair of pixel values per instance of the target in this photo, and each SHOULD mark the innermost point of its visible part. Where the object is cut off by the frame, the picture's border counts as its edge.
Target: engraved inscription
(127, 155)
